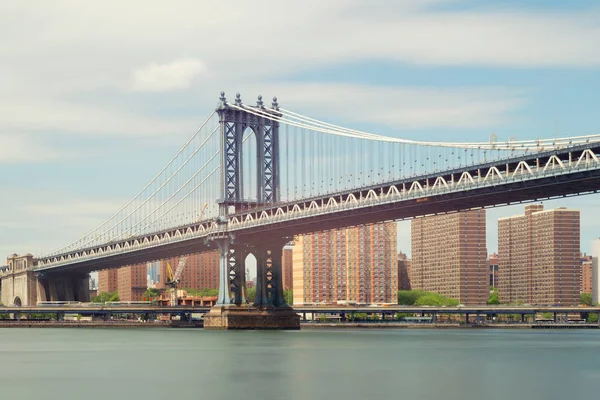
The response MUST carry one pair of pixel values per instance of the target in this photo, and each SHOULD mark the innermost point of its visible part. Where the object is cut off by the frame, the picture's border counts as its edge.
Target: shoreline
(309, 326)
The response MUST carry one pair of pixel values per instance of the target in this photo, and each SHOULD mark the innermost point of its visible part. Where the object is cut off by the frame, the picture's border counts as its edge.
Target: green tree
(421, 298)
(151, 293)
(202, 292)
(586, 299)
(592, 318)
(408, 297)
(288, 295)
(250, 294)
(494, 299)
(357, 316)
(103, 297)
(429, 300)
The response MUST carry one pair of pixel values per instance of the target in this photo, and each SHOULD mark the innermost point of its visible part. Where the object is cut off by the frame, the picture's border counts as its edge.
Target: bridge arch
(249, 165)
(17, 301)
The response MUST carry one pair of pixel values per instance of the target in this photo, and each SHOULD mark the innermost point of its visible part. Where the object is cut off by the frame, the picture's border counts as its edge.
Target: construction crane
(173, 278)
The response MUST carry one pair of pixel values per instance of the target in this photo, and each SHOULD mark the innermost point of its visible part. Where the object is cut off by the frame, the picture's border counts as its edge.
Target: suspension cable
(141, 191)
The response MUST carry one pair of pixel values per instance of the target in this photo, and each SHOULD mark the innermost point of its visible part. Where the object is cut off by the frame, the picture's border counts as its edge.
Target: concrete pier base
(250, 317)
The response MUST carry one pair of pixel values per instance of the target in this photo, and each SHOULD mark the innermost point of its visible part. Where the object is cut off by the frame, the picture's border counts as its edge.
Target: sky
(96, 97)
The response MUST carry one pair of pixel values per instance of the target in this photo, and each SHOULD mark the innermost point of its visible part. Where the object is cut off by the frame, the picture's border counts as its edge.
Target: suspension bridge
(268, 173)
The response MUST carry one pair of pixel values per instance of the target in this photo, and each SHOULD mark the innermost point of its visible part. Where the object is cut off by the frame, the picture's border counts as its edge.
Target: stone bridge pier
(18, 281)
(21, 285)
(269, 309)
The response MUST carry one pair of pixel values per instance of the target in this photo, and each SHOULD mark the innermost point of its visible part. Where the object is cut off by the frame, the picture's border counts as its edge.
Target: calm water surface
(338, 364)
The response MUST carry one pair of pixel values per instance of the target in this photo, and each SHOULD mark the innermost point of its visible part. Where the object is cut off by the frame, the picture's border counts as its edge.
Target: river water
(170, 364)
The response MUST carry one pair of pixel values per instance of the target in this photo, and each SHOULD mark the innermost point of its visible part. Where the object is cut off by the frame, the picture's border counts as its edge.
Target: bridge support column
(72, 287)
(269, 310)
(224, 273)
(42, 289)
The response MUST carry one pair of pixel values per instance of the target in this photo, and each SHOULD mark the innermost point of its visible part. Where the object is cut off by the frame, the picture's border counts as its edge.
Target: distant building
(357, 264)
(153, 269)
(586, 273)
(493, 261)
(595, 272)
(201, 271)
(107, 280)
(132, 281)
(403, 272)
(449, 256)
(287, 268)
(539, 257)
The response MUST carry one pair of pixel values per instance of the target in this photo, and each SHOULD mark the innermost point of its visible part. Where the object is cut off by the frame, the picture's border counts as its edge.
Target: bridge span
(304, 176)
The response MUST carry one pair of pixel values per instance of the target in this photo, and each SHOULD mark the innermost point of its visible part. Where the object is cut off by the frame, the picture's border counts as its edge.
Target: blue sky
(96, 98)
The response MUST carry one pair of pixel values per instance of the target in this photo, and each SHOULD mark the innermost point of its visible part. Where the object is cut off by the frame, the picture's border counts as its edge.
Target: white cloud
(179, 74)
(89, 70)
(16, 148)
(41, 220)
(42, 114)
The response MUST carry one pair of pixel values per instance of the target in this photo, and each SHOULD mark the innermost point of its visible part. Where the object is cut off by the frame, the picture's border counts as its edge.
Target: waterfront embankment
(306, 325)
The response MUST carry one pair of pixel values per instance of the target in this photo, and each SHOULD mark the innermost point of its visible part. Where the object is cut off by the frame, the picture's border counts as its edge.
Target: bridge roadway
(403, 199)
(85, 309)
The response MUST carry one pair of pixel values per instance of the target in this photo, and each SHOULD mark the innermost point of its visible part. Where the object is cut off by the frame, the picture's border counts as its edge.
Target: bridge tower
(234, 122)
(269, 310)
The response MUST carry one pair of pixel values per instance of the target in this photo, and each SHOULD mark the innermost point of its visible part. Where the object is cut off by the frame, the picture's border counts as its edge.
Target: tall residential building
(449, 256)
(286, 268)
(355, 264)
(539, 257)
(201, 271)
(586, 274)
(403, 272)
(107, 280)
(595, 273)
(133, 282)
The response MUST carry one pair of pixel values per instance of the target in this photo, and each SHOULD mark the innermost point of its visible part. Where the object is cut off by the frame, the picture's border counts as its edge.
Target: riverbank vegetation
(422, 298)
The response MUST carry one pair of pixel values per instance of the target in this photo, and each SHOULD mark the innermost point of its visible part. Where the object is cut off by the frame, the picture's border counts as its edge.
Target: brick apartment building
(586, 273)
(539, 257)
(449, 256)
(201, 271)
(107, 280)
(287, 268)
(132, 282)
(357, 264)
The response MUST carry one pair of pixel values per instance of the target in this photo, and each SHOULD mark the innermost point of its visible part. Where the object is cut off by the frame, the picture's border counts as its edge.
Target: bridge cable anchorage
(181, 150)
(340, 131)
